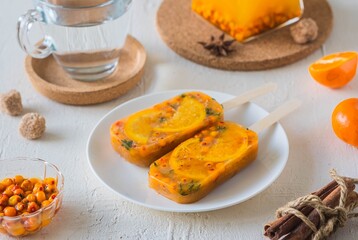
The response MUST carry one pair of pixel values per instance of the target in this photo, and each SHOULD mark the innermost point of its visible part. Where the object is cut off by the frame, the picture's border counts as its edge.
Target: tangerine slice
(192, 159)
(140, 125)
(335, 70)
(190, 114)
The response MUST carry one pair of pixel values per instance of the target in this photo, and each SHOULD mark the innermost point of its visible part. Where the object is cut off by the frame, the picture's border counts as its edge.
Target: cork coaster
(50, 79)
(181, 29)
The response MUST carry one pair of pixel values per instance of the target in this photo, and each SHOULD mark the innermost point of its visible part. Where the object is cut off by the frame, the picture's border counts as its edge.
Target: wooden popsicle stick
(276, 115)
(249, 95)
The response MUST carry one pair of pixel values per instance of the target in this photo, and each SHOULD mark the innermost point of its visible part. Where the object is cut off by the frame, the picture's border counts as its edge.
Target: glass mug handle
(44, 47)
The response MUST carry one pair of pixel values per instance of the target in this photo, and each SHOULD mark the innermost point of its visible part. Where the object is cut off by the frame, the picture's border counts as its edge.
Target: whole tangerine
(334, 70)
(345, 121)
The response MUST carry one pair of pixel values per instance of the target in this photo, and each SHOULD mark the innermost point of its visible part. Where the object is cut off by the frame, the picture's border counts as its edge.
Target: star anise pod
(219, 47)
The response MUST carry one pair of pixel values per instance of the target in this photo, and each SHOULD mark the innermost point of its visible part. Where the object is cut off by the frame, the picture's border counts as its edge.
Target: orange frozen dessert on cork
(243, 19)
(198, 165)
(147, 135)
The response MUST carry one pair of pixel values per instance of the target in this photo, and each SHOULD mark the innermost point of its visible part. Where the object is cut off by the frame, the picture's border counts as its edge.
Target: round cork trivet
(182, 29)
(50, 79)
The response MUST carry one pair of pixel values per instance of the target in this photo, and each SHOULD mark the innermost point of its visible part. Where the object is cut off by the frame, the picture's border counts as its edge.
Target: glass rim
(60, 192)
(104, 4)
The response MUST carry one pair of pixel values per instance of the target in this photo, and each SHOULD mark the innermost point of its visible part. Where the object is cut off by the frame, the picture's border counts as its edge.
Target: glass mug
(85, 37)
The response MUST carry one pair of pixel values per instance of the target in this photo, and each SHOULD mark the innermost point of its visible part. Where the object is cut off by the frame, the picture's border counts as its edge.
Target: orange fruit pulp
(335, 70)
(189, 115)
(191, 157)
(345, 121)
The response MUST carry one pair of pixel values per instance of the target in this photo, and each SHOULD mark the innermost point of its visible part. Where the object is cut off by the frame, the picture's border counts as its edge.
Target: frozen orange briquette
(198, 165)
(247, 18)
(144, 136)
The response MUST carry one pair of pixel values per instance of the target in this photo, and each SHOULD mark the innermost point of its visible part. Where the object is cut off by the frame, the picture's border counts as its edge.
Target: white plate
(130, 181)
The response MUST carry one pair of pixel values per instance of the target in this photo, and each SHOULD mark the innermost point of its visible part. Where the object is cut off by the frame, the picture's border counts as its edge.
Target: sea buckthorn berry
(18, 179)
(35, 180)
(27, 193)
(16, 229)
(14, 188)
(40, 196)
(27, 185)
(19, 192)
(53, 196)
(21, 196)
(11, 188)
(13, 200)
(32, 224)
(32, 207)
(4, 200)
(214, 133)
(37, 188)
(50, 181)
(7, 182)
(10, 211)
(20, 207)
(2, 187)
(50, 188)
(25, 201)
(31, 197)
(45, 203)
(8, 192)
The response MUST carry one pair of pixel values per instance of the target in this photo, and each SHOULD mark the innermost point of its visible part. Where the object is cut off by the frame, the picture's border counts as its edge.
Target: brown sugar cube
(32, 126)
(10, 103)
(304, 31)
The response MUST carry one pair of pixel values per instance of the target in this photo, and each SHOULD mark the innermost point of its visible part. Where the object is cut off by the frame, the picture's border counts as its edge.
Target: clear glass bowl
(30, 167)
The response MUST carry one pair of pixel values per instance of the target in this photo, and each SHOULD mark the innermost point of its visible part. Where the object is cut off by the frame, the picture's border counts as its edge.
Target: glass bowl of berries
(31, 192)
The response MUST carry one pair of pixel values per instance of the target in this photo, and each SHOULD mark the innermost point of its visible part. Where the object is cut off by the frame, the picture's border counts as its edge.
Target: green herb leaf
(174, 106)
(186, 189)
(220, 128)
(181, 190)
(211, 112)
(196, 187)
(127, 144)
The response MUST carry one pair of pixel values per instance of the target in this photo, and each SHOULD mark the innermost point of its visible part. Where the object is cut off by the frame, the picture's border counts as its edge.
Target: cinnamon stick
(287, 223)
(332, 200)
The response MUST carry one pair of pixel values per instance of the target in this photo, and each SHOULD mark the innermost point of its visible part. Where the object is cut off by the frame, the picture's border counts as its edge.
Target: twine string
(330, 218)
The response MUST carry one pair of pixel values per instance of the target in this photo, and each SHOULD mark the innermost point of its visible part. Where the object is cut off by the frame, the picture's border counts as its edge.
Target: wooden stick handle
(249, 95)
(276, 115)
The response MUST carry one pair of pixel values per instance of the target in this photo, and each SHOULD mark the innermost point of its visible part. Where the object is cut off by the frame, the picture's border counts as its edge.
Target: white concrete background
(91, 211)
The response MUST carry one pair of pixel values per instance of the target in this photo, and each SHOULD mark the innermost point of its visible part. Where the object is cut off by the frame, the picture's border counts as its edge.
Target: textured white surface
(91, 211)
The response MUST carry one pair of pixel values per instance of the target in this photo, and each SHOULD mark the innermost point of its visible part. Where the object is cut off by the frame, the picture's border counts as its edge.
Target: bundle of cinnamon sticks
(291, 227)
